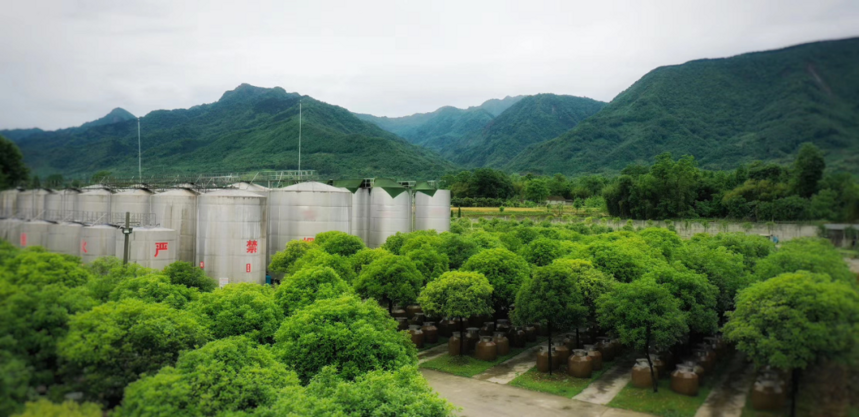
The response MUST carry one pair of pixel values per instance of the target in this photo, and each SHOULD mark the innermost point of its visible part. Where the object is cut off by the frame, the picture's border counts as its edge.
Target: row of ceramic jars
(427, 333)
(492, 346)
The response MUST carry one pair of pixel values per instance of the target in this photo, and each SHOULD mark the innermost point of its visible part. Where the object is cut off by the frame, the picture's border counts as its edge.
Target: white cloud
(66, 62)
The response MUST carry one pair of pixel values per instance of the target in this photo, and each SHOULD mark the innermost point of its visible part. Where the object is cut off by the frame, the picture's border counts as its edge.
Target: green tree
(542, 251)
(457, 294)
(551, 297)
(15, 378)
(391, 279)
(308, 285)
(808, 170)
(505, 271)
(666, 241)
(100, 176)
(239, 309)
(114, 343)
(365, 257)
(351, 335)
(808, 254)
(318, 257)
(12, 169)
(696, 294)
(626, 259)
(643, 314)
(184, 273)
(537, 190)
(457, 248)
(45, 408)
(231, 374)
(39, 268)
(723, 268)
(429, 262)
(54, 181)
(795, 319)
(592, 284)
(154, 289)
(108, 272)
(283, 260)
(339, 243)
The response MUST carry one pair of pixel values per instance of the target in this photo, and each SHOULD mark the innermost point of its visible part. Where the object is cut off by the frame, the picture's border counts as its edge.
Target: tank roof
(178, 191)
(248, 186)
(313, 186)
(232, 193)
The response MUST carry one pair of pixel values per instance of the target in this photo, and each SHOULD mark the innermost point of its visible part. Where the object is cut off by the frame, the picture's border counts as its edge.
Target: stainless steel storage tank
(361, 214)
(31, 203)
(432, 212)
(9, 199)
(65, 237)
(34, 233)
(177, 209)
(303, 210)
(9, 230)
(98, 241)
(53, 206)
(94, 205)
(136, 201)
(231, 236)
(390, 212)
(151, 247)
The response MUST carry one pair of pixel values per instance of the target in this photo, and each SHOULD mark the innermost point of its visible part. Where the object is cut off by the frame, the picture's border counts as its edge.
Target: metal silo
(9, 202)
(53, 206)
(65, 237)
(31, 203)
(94, 205)
(136, 201)
(303, 210)
(231, 236)
(13, 231)
(390, 211)
(98, 241)
(432, 211)
(34, 233)
(361, 214)
(177, 209)
(151, 247)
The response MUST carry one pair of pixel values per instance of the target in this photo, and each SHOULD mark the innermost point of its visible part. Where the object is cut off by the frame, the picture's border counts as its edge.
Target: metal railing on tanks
(271, 179)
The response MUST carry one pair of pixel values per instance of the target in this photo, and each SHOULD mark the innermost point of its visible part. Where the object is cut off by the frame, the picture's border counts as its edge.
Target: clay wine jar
(501, 343)
(569, 341)
(402, 323)
(641, 377)
(412, 309)
(454, 344)
(418, 319)
(579, 364)
(443, 328)
(596, 356)
(417, 336)
(398, 312)
(503, 326)
(604, 346)
(430, 332)
(696, 367)
(471, 337)
(518, 337)
(684, 381)
(659, 366)
(487, 350)
(530, 333)
(488, 329)
(562, 353)
(768, 394)
(543, 362)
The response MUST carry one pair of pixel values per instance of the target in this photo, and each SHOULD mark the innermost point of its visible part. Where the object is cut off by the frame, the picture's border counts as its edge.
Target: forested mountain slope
(756, 106)
(533, 119)
(249, 128)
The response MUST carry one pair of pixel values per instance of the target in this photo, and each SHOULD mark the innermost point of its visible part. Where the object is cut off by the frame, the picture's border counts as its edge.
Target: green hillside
(532, 120)
(17, 134)
(447, 125)
(249, 128)
(756, 106)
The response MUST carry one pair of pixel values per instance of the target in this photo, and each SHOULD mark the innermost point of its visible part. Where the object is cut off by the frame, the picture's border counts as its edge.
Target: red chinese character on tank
(309, 239)
(252, 246)
(159, 246)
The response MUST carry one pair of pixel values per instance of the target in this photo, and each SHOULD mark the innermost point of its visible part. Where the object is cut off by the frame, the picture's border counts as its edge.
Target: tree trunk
(577, 338)
(549, 332)
(390, 308)
(462, 347)
(649, 362)
(794, 382)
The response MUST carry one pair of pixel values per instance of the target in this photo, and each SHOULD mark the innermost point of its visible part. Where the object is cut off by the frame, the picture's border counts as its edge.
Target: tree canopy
(239, 309)
(303, 288)
(505, 271)
(457, 294)
(394, 279)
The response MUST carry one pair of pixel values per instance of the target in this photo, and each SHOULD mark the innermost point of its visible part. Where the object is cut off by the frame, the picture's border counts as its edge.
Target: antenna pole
(139, 169)
(299, 140)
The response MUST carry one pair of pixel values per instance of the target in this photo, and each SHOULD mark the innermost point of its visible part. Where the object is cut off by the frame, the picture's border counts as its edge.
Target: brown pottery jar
(402, 323)
(412, 310)
(659, 366)
(569, 341)
(454, 344)
(471, 337)
(503, 326)
(530, 333)
(398, 312)
(430, 332)
(518, 337)
(604, 345)
(443, 328)
(543, 362)
(595, 355)
(768, 394)
(579, 364)
(696, 367)
(684, 381)
(562, 353)
(417, 336)
(488, 329)
(641, 377)
(541, 330)
(706, 358)
(418, 319)
(487, 350)
(501, 343)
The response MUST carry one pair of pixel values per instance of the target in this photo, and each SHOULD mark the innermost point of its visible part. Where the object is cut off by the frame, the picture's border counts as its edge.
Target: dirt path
(485, 399)
(508, 370)
(610, 383)
(729, 396)
(853, 264)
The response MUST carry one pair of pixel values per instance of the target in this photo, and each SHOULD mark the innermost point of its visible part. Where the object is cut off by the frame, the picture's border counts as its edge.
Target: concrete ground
(508, 370)
(729, 396)
(486, 399)
(609, 384)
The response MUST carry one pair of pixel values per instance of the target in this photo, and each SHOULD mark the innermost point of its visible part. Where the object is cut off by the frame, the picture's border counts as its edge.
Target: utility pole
(127, 232)
(299, 140)
(139, 169)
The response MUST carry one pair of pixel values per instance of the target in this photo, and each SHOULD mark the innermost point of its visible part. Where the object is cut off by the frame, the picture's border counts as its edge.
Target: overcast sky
(65, 62)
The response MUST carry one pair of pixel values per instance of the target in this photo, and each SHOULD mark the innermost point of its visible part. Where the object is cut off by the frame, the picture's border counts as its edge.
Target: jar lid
(580, 352)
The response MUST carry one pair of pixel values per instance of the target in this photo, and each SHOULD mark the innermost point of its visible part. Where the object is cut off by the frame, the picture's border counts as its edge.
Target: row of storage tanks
(230, 233)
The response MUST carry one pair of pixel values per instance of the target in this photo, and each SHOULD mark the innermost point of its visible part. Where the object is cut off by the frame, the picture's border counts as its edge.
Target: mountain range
(755, 106)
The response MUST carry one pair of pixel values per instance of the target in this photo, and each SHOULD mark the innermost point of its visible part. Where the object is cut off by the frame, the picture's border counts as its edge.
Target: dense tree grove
(678, 188)
(322, 341)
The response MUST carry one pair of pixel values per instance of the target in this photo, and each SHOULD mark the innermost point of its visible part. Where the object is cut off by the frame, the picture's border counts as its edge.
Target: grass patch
(469, 366)
(427, 346)
(559, 383)
(668, 403)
